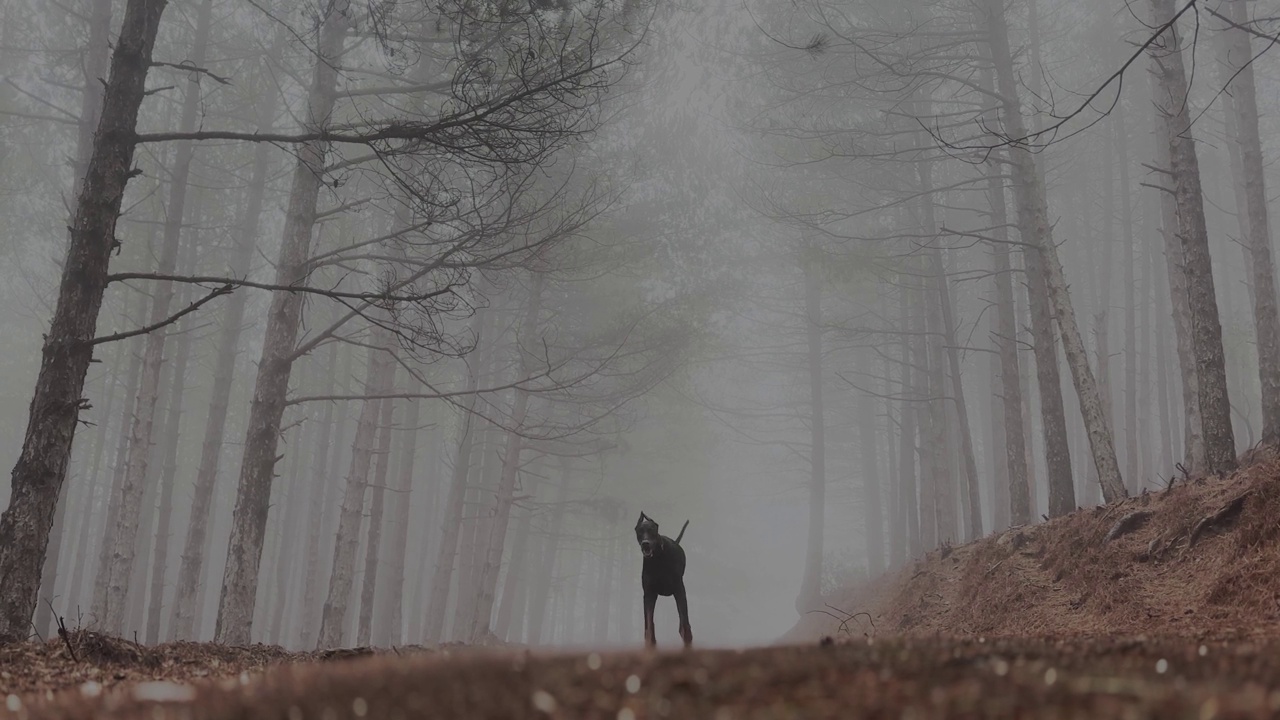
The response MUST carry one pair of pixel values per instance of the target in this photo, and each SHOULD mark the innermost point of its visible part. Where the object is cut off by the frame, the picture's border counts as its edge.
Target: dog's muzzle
(646, 548)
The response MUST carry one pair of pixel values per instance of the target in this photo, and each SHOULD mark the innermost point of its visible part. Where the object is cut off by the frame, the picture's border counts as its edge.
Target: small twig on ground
(993, 567)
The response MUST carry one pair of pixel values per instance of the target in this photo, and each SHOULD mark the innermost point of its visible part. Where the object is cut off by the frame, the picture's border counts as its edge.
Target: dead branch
(1220, 518)
(216, 292)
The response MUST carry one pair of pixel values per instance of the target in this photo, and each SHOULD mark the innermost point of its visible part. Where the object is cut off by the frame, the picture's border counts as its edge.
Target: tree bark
(488, 577)
(41, 469)
(1033, 224)
(1206, 329)
(257, 468)
(191, 571)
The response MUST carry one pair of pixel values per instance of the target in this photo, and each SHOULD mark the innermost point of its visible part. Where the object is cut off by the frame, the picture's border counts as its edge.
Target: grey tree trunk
(398, 542)
(377, 514)
(1206, 329)
(1131, 358)
(322, 469)
(1017, 495)
(547, 563)
(121, 564)
(99, 598)
(95, 70)
(442, 577)
(257, 468)
(515, 584)
(380, 374)
(1242, 104)
(907, 422)
(810, 596)
(1033, 224)
(191, 571)
(871, 499)
(169, 465)
(67, 350)
(488, 576)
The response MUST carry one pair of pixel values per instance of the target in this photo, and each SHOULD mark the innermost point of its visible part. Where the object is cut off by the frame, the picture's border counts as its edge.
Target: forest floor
(1164, 606)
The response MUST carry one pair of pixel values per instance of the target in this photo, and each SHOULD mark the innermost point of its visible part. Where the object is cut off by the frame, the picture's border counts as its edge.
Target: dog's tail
(686, 524)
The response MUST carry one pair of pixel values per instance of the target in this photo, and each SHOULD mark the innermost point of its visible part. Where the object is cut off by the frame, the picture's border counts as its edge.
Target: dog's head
(647, 536)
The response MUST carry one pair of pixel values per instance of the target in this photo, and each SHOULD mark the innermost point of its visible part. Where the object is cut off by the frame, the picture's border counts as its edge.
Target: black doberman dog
(663, 574)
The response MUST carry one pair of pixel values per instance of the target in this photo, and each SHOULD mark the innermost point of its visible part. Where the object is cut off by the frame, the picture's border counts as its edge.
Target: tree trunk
(380, 374)
(442, 577)
(871, 498)
(1033, 224)
(397, 544)
(515, 585)
(488, 576)
(67, 351)
(1017, 495)
(377, 514)
(172, 424)
(1242, 104)
(547, 563)
(99, 599)
(907, 421)
(257, 468)
(1206, 330)
(1131, 330)
(120, 566)
(191, 571)
(811, 582)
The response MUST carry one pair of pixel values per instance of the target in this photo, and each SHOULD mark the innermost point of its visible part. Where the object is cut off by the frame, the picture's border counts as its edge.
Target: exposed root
(1221, 518)
(1128, 524)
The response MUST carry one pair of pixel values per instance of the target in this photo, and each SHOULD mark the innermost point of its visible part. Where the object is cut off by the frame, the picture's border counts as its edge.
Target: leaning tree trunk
(262, 436)
(121, 563)
(1206, 329)
(811, 581)
(191, 569)
(381, 371)
(1033, 225)
(55, 407)
(377, 513)
(488, 576)
(1242, 104)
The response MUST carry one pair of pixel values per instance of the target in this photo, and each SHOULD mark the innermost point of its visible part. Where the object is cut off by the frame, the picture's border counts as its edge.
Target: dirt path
(901, 678)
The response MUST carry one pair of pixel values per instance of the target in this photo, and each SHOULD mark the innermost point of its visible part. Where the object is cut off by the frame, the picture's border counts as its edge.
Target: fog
(411, 309)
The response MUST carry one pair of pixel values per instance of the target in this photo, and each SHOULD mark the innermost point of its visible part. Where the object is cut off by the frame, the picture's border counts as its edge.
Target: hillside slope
(1200, 559)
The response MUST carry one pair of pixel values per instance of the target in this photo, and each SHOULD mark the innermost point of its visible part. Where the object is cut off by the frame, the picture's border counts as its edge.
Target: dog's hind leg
(682, 605)
(650, 634)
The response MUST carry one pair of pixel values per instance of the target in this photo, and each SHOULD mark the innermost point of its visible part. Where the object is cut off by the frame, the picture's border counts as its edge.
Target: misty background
(758, 265)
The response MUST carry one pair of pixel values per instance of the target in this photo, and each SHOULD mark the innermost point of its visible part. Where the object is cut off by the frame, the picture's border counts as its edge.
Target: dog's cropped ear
(641, 520)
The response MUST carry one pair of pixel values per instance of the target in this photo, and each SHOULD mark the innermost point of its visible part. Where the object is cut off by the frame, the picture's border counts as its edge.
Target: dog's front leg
(682, 605)
(650, 634)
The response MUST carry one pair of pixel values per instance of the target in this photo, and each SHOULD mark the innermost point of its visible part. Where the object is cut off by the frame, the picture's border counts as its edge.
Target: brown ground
(1176, 616)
